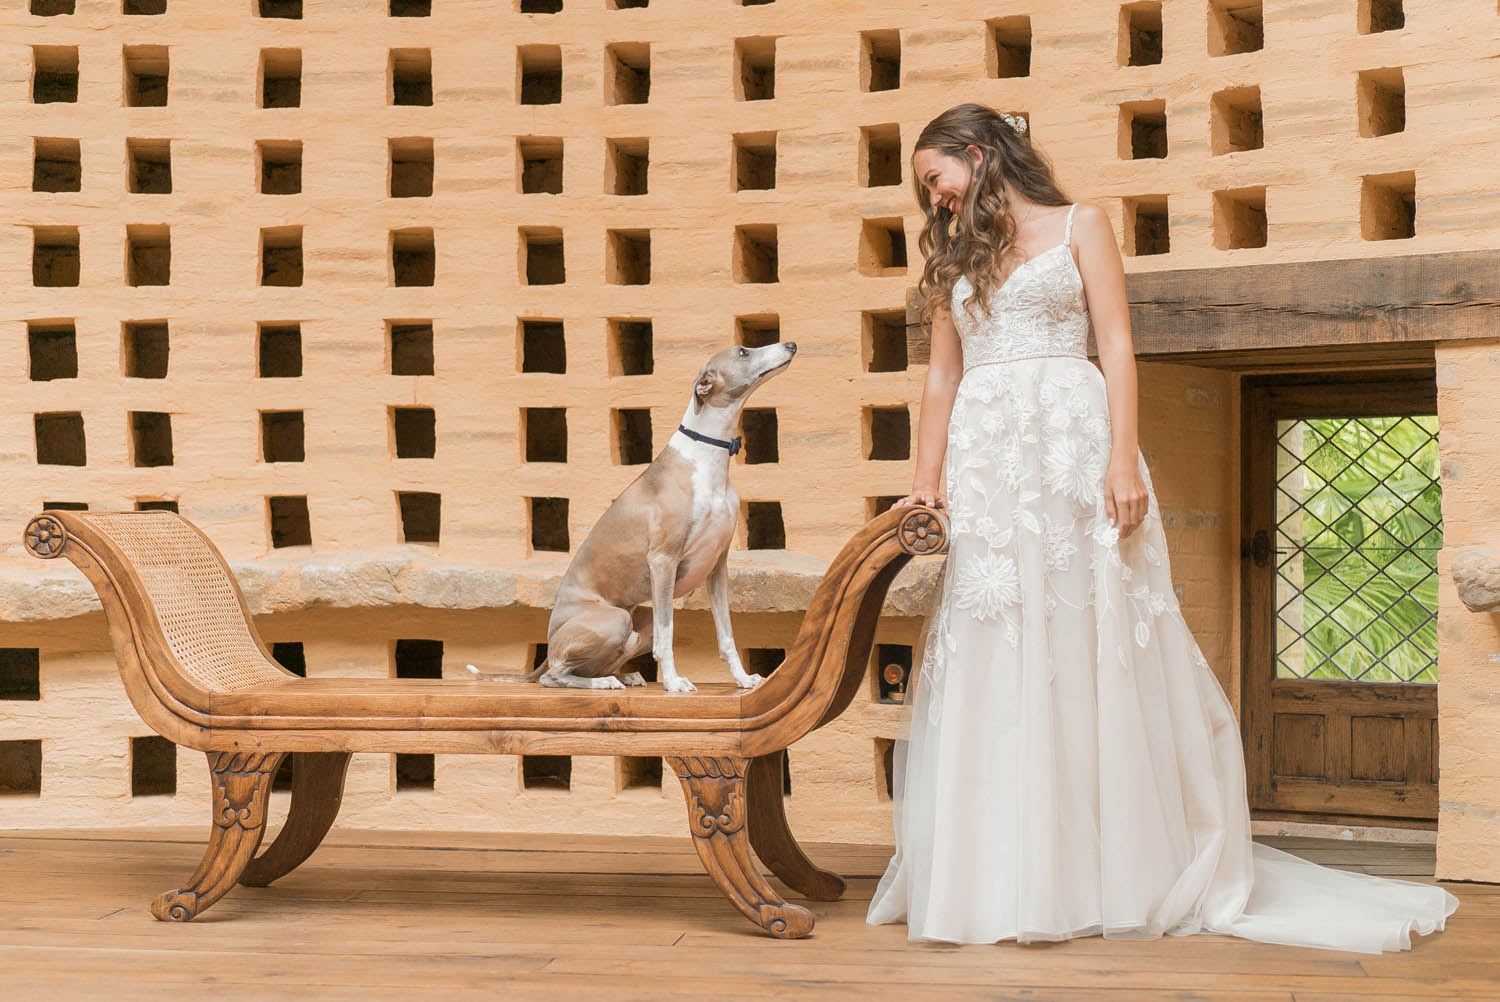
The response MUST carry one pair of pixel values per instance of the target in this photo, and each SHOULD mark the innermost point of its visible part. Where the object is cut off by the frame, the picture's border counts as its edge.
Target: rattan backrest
(196, 601)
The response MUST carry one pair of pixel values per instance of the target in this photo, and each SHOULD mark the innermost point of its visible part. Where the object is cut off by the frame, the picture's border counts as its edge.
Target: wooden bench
(199, 675)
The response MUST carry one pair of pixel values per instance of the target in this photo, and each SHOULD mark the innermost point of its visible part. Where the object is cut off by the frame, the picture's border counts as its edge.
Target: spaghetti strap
(1068, 230)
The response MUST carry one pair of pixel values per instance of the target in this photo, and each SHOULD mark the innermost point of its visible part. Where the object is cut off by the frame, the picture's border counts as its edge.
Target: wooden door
(1342, 528)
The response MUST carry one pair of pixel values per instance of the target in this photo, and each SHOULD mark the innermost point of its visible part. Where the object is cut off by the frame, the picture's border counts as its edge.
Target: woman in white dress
(1073, 766)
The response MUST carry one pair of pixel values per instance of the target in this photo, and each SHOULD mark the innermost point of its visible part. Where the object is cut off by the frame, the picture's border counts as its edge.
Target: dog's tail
(485, 676)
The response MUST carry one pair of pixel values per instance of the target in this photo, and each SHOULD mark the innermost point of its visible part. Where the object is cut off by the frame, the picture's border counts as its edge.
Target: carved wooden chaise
(199, 675)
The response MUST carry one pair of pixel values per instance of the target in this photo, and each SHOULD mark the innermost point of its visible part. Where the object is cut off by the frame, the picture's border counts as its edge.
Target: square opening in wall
(291, 655)
(1146, 229)
(1009, 46)
(1375, 16)
(764, 661)
(885, 767)
(545, 432)
(55, 259)
(632, 428)
(20, 673)
(754, 69)
(892, 670)
(631, 347)
(51, 8)
(887, 433)
(146, 70)
(1143, 130)
(879, 505)
(764, 529)
(755, 254)
(1235, 121)
(411, 167)
(149, 166)
(153, 767)
(880, 60)
(1140, 34)
(150, 438)
(415, 771)
(411, 8)
(148, 255)
(56, 165)
(1240, 218)
(51, 350)
(627, 73)
(156, 505)
(413, 257)
(640, 773)
(280, 78)
(540, 6)
(281, 8)
(411, 77)
(627, 257)
(419, 659)
(539, 73)
(757, 330)
(1381, 97)
(754, 161)
(54, 74)
(282, 437)
(540, 162)
(762, 440)
(412, 352)
(414, 432)
(884, 347)
(880, 155)
(65, 505)
(281, 256)
(1235, 26)
(546, 772)
(1388, 206)
(59, 439)
(279, 351)
(280, 166)
(882, 247)
(627, 166)
(542, 256)
(146, 347)
(290, 524)
(549, 527)
(421, 516)
(20, 768)
(543, 346)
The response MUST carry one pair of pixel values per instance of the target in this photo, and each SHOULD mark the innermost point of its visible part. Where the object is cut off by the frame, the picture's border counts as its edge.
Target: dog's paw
(608, 682)
(632, 678)
(679, 684)
(749, 681)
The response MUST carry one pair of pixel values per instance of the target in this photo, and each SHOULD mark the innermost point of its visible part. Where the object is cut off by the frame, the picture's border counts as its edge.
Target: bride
(1073, 766)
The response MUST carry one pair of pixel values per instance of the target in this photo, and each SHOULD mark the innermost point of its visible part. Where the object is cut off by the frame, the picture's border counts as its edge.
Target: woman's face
(944, 177)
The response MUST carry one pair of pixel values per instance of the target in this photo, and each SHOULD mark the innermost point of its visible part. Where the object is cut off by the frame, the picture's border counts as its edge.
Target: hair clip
(1016, 122)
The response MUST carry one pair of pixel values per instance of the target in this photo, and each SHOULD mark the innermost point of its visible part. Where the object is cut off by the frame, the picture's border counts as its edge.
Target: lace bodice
(1039, 311)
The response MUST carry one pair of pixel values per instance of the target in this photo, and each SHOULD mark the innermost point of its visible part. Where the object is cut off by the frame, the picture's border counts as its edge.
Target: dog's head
(728, 378)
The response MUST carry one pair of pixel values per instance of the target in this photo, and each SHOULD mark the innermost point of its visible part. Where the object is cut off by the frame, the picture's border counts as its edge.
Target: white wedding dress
(1073, 766)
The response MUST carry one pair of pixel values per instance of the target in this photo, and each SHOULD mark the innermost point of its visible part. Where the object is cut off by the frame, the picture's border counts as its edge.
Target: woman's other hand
(1125, 497)
(923, 496)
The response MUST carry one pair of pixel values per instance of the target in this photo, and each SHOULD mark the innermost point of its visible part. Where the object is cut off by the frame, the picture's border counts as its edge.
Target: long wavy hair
(975, 240)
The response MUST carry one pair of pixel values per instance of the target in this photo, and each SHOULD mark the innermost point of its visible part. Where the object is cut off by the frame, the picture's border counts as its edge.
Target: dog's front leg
(718, 600)
(663, 581)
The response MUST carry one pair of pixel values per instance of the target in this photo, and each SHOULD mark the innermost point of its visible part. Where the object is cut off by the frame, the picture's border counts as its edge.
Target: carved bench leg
(772, 839)
(241, 788)
(317, 792)
(715, 791)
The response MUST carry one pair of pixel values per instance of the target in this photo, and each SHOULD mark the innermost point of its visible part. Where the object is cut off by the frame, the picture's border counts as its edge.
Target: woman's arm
(944, 370)
(1104, 291)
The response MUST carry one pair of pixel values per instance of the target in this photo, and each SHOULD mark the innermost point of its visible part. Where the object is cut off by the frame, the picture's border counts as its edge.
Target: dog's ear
(707, 379)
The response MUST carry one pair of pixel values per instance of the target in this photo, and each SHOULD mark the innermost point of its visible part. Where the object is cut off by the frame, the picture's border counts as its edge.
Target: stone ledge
(1476, 572)
(760, 581)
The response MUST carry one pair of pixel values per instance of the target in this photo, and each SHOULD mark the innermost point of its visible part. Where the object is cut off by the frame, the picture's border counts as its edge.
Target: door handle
(1258, 549)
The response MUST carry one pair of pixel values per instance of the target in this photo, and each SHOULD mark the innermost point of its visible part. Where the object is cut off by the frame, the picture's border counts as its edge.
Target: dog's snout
(791, 346)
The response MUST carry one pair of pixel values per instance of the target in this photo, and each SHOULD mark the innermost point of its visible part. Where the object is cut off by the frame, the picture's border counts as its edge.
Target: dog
(667, 533)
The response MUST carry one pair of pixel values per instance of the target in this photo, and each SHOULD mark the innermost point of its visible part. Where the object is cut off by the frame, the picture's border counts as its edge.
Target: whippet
(667, 533)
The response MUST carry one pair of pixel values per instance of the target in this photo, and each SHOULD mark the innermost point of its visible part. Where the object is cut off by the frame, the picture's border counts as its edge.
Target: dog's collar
(733, 446)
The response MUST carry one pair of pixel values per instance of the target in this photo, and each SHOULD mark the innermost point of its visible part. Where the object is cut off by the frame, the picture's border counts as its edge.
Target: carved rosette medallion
(923, 531)
(45, 537)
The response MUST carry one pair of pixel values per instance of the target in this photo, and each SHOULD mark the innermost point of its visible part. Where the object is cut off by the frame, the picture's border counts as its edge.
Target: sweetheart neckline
(1016, 270)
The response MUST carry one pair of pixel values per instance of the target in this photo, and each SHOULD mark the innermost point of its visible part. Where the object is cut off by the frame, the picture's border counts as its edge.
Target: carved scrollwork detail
(923, 531)
(45, 537)
(238, 778)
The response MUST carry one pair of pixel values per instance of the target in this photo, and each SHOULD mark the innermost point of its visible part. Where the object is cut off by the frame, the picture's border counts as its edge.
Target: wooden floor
(423, 916)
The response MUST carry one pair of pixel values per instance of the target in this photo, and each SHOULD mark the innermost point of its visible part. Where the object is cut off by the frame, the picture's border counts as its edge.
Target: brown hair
(973, 241)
